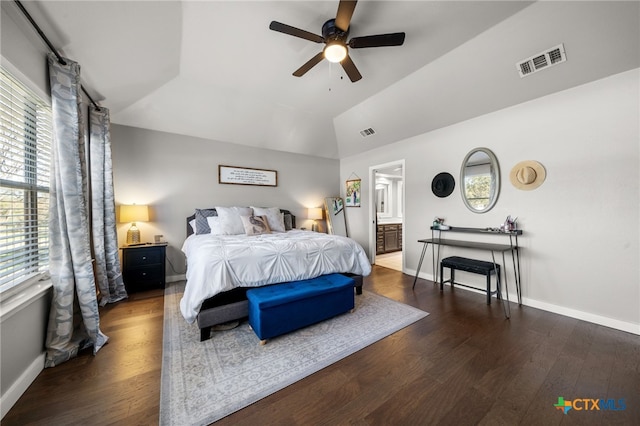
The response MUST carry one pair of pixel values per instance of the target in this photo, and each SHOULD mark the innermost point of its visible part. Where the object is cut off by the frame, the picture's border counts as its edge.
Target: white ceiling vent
(367, 132)
(541, 61)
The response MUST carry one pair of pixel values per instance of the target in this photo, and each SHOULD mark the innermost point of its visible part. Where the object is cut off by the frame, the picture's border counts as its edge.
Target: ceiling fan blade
(393, 39)
(345, 11)
(296, 32)
(350, 69)
(310, 64)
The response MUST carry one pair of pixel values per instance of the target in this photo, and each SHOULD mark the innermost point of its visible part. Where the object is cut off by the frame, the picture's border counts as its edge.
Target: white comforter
(218, 263)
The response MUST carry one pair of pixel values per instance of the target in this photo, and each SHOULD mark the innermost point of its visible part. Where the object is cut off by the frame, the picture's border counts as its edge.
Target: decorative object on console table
(133, 213)
(509, 225)
(438, 223)
(143, 266)
(314, 214)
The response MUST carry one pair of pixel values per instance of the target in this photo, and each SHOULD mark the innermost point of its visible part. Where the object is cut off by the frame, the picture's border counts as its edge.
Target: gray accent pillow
(202, 225)
(288, 222)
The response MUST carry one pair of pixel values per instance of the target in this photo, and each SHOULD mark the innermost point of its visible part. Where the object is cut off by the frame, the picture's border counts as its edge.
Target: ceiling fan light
(335, 52)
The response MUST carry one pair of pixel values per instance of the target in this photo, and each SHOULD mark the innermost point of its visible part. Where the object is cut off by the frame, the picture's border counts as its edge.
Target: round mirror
(480, 180)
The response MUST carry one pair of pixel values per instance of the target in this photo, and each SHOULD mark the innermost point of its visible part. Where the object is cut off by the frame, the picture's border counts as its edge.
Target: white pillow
(192, 223)
(275, 219)
(217, 226)
(231, 222)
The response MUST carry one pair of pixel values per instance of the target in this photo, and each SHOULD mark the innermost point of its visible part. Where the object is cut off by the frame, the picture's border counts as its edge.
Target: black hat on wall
(443, 184)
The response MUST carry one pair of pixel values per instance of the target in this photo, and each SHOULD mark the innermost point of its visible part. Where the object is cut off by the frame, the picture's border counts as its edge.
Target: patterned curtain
(105, 239)
(74, 321)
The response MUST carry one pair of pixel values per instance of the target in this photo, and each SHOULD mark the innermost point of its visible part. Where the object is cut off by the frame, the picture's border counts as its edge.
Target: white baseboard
(174, 278)
(11, 396)
(628, 327)
(625, 326)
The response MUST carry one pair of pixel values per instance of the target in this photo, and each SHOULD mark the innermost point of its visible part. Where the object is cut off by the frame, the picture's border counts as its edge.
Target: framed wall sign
(247, 176)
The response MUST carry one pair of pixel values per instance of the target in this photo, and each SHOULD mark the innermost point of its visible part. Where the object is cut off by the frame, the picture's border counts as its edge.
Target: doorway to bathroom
(386, 233)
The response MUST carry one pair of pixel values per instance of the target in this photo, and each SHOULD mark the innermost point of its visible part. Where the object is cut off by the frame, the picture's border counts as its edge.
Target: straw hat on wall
(527, 175)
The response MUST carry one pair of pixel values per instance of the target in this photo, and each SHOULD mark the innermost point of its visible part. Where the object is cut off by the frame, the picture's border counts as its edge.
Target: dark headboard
(193, 216)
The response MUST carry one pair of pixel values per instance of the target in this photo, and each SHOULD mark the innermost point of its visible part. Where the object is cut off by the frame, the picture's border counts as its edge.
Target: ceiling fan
(334, 35)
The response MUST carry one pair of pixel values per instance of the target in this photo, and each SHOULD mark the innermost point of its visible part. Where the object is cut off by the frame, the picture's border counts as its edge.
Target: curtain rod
(53, 49)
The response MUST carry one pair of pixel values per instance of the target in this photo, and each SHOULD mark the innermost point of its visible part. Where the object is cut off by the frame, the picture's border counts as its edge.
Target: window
(25, 158)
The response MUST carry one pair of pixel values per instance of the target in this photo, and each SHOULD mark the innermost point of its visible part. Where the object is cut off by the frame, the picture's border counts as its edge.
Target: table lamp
(315, 213)
(133, 213)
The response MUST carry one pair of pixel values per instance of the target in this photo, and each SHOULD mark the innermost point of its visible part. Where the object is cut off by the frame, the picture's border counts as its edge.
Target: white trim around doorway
(372, 208)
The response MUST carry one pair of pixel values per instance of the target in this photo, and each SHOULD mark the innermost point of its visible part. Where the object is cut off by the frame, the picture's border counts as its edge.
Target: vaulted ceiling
(213, 69)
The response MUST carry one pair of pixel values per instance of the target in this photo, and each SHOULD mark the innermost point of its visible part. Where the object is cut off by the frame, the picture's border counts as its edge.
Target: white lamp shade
(134, 213)
(315, 213)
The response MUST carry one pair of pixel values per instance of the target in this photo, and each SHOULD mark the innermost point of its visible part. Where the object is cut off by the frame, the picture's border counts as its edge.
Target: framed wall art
(247, 176)
(353, 193)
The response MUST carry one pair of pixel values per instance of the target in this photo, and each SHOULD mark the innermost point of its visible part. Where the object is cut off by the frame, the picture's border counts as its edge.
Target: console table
(437, 240)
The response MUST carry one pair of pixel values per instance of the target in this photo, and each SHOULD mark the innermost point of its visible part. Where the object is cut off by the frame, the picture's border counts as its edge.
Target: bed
(222, 265)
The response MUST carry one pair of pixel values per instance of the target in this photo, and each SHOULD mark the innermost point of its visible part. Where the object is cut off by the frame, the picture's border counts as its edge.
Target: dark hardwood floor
(464, 364)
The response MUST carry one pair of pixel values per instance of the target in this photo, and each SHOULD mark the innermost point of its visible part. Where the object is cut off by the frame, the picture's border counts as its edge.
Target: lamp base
(133, 235)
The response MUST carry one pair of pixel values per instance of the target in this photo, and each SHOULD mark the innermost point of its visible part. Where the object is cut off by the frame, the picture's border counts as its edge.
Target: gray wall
(580, 247)
(176, 174)
(22, 333)
(23, 318)
(22, 47)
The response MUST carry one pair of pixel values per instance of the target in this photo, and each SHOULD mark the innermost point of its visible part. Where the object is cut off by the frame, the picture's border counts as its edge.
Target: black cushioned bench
(473, 266)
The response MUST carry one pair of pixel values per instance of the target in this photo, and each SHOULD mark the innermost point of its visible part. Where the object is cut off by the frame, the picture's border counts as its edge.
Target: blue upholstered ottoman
(282, 308)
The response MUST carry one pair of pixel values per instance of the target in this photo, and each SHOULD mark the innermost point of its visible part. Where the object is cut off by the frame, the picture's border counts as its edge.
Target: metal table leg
(424, 250)
(506, 307)
(516, 268)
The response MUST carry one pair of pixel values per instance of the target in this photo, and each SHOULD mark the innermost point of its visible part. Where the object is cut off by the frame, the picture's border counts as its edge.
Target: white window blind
(25, 142)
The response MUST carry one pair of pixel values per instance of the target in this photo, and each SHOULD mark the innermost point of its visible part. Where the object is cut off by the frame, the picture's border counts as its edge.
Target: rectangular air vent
(541, 61)
(367, 132)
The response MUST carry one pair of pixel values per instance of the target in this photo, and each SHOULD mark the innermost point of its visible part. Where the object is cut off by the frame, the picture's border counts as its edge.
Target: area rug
(205, 381)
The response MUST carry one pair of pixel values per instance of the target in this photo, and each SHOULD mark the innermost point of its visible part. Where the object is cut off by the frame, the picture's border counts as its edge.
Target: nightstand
(143, 266)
